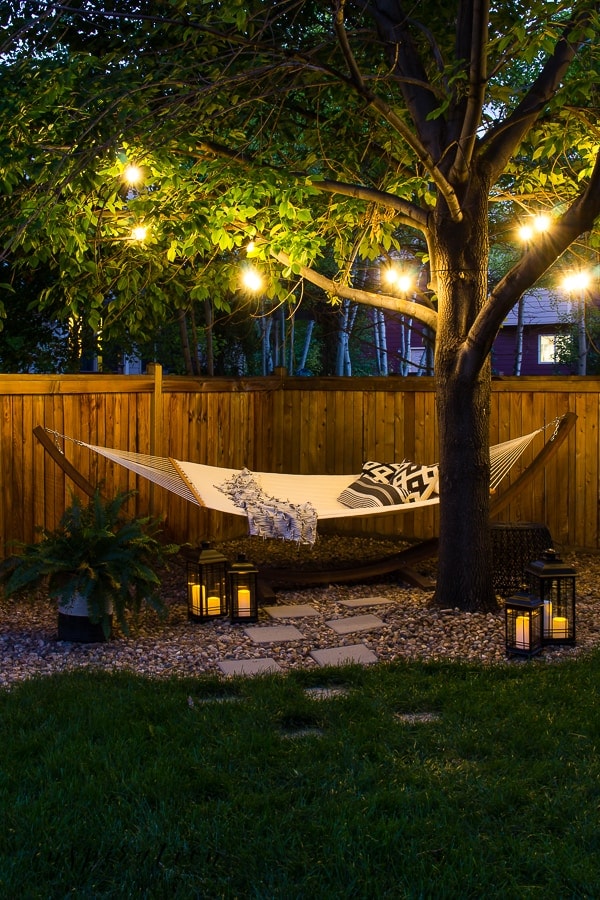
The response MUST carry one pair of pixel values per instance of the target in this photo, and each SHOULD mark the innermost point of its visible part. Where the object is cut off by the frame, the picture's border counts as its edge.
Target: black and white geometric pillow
(415, 481)
(381, 472)
(368, 492)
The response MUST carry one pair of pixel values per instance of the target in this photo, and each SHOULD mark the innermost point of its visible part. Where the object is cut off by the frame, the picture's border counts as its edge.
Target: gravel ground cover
(412, 628)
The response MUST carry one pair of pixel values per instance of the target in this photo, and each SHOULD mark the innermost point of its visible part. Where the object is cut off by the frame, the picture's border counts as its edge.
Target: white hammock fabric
(201, 484)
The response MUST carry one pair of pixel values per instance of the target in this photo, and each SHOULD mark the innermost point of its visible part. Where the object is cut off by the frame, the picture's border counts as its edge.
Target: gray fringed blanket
(269, 516)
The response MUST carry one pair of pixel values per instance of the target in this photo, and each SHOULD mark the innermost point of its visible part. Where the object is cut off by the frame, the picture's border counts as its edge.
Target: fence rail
(295, 425)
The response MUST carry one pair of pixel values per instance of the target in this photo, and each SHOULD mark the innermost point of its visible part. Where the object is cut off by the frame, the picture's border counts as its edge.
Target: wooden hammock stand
(401, 563)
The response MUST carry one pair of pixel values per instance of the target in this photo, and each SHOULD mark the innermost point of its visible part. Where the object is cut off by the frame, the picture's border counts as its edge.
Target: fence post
(156, 420)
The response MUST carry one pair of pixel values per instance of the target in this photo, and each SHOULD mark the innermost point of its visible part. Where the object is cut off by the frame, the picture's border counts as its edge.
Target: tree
(327, 133)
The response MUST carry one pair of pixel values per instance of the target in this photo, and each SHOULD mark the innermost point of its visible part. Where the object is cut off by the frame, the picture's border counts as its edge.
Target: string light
(538, 224)
(139, 233)
(400, 280)
(252, 279)
(576, 281)
(542, 222)
(132, 174)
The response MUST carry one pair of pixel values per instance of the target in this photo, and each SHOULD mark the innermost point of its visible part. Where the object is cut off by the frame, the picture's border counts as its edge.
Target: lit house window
(547, 348)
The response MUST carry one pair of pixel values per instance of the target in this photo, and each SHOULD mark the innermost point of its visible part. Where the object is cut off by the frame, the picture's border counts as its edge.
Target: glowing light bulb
(139, 233)
(542, 222)
(404, 283)
(525, 233)
(252, 279)
(576, 281)
(132, 174)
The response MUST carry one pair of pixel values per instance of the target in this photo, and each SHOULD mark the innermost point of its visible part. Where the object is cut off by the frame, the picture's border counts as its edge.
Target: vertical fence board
(7, 425)
(20, 531)
(591, 506)
(352, 454)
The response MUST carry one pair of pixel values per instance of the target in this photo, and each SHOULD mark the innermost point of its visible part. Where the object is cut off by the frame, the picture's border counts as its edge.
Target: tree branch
(379, 301)
(579, 218)
(410, 213)
(342, 36)
(391, 22)
(501, 142)
(476, 96)
(442, 184)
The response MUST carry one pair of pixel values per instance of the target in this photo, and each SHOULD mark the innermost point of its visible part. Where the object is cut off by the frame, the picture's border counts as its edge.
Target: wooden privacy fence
(295, 425)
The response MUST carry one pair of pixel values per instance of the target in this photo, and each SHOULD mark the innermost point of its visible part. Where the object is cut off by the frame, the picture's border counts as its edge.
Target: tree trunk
(266, 324)
(380, 334)
(464, 561)
(519, 344)
(283, 336)
(291, 363)
(429, 361)
(463, 407)
(307, 337)
(404, 346)
(342, 355)
(581, 338)
(210, 351)
(185, 343)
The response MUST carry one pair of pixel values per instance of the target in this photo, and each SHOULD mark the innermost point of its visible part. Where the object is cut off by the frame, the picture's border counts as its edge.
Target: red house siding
(504, 352)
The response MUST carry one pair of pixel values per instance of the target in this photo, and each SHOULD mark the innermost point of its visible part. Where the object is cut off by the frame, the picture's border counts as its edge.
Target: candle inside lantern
(195, 598)
(213, 605)
(547, 617)
(243, 601)
(560, 627)
(522, 624)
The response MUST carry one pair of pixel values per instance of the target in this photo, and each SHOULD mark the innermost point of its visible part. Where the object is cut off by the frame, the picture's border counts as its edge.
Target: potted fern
(96, 564)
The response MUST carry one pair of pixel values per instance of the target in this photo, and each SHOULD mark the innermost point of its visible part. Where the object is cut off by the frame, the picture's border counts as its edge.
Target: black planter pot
(80, 628)
(75, 625)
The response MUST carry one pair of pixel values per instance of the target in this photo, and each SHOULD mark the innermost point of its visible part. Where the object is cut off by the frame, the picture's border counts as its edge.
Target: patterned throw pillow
(383, 473)
(418, 482)
(365, 491)
(388, 484)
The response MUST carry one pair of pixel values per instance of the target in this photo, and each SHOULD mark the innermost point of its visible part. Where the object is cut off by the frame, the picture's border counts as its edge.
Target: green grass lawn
(418, 781)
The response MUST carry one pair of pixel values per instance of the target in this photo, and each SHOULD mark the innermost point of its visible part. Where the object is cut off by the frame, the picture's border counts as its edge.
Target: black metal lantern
(553, 583)
(207, 585)
(524, 616)
(243, 595)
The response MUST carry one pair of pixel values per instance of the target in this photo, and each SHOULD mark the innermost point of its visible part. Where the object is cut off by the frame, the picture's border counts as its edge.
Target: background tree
(319, 131)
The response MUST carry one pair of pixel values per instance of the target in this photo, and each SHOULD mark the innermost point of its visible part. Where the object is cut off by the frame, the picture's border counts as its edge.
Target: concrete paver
(356, 602)
(339, 656)
(291, 611)
(350, 624)
(248, 666)
(266, 634)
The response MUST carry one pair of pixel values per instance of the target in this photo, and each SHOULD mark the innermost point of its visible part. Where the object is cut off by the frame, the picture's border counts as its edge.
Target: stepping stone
(326, 693)
(366, 601)
(355, 623)
(340, 656)
(216, 699)
(292, 611)
(301, 733)
(414, 718)
(266, 634)
(248, 666)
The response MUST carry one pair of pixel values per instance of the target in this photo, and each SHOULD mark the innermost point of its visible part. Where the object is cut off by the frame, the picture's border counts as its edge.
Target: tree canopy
(286, 123)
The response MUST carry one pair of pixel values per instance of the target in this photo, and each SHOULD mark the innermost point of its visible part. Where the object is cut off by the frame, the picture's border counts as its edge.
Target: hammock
(202, 484)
